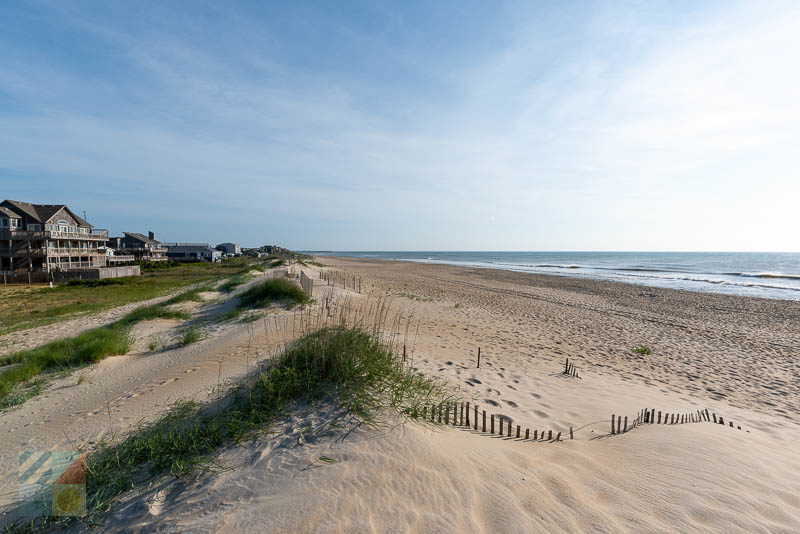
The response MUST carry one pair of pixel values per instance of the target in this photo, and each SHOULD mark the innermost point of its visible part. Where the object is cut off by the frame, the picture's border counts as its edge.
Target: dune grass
(644, 350)
(345, 364)
(191, 335)
(274, 290)
(22, 379)
(234, 281)
(83, 349)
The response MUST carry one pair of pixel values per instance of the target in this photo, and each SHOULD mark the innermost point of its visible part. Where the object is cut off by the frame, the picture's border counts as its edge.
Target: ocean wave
(771, 275)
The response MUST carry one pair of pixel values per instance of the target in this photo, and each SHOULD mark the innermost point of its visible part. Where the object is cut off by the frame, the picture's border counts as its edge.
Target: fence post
(527, 433)
(535, 435)
(612, 422)
(518, 430)
(484, 421)
(468, 414)
(659, 417)
(625, 427)
(479, 357)
(619, 425)
(492, 432)
(558, 437)
(509, 429)
(447, 414)
(476, 417)
(549, 434)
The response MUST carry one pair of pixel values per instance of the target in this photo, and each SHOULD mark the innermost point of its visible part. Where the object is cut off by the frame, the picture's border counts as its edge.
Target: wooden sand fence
(652, 417)
(341, 279)
(469, 417)
(307, 284)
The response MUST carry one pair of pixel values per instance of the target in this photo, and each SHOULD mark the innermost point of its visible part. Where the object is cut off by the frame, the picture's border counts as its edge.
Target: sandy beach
(732, 355)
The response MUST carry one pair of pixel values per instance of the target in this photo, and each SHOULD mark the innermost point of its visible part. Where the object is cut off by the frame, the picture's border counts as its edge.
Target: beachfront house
(230, 249)
(137, 247)
(47, 237)
(192, 252)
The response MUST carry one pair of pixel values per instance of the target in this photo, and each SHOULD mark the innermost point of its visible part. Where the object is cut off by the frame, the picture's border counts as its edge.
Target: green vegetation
(191, 335)
(643, 350)
(277, 263)
(83, 349)
(30, 306)
(344, 364)
(274, 290)
(21, 372)
(234, 281)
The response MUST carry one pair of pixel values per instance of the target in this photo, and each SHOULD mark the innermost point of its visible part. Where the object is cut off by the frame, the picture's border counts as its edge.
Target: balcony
(73, 251)
(97, 234)
(121, 259)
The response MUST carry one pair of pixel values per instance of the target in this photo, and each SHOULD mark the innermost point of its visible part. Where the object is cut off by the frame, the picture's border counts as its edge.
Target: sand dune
(732, 355)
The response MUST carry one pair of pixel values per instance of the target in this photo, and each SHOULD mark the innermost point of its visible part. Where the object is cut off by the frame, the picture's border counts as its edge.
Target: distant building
(46, 238)
(141, 247)
(192, 252)
(231, 249)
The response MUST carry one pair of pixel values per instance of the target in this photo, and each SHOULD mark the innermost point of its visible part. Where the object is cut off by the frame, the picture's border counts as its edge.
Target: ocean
(768, 275)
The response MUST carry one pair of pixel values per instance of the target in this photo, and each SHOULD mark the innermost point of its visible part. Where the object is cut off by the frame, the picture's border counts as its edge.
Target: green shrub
(275, 290)
(191, 335)
(643, 350)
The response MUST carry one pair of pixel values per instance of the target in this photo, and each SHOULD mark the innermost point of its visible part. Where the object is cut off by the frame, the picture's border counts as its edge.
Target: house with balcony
(137, 247)
(47, 238)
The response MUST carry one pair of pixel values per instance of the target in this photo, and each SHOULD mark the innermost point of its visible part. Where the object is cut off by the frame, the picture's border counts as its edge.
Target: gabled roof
(142, 238)
(9, 213)
(43, 212)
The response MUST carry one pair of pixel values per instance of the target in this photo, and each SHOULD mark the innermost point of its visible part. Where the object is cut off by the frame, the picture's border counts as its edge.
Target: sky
(447, 125)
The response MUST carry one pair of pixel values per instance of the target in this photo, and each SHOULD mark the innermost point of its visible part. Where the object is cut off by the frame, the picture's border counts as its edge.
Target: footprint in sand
(191, 370)
(474, 380)
(510, 403)
(493, 403)
(542, 414)
(168, 381)
(536, 396)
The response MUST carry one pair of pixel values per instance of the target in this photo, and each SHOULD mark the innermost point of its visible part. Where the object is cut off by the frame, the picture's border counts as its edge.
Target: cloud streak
(588, 127)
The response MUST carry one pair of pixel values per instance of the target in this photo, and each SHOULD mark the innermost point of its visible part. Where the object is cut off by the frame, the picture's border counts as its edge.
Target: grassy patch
(83, 349)
(23, 379)
(275, 290)
(277, 263)
(346, 364)
(643, 350)
(30, 306)
(234, 281)
(191, 335)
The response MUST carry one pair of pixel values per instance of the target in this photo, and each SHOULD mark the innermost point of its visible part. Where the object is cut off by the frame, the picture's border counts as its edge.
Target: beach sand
(732, 355)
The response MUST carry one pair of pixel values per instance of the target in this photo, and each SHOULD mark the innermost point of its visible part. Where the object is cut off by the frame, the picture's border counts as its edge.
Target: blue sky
(410, 125)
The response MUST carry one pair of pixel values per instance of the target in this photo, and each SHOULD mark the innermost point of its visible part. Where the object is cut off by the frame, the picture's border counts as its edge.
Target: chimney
(151, 235)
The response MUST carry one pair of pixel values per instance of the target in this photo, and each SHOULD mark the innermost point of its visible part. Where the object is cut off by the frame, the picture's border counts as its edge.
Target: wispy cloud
(608, 126)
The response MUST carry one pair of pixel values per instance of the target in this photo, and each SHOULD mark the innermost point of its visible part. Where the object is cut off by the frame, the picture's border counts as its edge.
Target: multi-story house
(46, 238)
(141, 247)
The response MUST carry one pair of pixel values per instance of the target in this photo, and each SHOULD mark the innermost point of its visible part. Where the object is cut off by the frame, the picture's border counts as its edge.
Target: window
(84, 230)
(14, 223)
(34, 227)
(3, 223)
